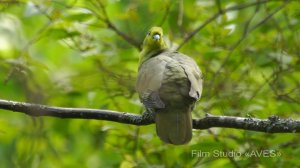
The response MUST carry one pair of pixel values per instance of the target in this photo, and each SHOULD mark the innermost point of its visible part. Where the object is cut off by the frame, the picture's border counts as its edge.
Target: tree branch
(38, 110)
(271, 125)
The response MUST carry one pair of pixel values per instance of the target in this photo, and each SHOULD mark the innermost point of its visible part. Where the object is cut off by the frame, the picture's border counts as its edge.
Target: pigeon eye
(148, 33)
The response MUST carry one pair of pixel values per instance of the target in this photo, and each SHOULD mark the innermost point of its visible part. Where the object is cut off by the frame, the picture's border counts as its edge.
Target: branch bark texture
(271, 125)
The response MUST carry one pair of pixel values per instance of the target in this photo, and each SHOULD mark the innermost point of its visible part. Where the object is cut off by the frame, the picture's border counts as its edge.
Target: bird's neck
(149, 52)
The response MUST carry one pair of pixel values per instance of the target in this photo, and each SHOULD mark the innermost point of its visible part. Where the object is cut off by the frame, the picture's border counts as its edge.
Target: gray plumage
(169, 83)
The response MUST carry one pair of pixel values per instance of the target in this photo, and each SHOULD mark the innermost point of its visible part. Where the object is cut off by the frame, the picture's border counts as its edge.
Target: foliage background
(76, 53)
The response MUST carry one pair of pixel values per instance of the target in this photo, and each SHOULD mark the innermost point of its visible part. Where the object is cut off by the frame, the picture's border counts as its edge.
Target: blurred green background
(76, 53)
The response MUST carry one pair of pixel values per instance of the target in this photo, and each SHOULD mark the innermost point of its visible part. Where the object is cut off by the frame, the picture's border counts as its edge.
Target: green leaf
(58, 33)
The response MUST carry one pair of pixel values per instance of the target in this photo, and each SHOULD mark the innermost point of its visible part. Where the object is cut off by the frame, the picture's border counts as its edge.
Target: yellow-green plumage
(169, 83)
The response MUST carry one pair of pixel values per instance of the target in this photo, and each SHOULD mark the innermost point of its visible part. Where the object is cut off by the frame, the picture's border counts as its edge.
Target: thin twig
(215, 16)
(110, 25)
(247, 30)
(219, 5)
(193, 33)
(180, 13)
(167, 11)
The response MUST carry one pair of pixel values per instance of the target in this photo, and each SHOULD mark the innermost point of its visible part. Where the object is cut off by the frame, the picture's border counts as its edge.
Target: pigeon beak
(156, 37)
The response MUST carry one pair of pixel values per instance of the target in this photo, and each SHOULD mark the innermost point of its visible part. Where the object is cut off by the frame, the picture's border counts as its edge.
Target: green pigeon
(168, 83)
